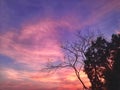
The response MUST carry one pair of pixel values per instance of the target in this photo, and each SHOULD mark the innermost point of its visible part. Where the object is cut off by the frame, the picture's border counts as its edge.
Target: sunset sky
(32, 31)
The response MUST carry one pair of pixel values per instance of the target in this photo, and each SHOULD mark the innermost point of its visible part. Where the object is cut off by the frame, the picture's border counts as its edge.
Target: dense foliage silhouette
(113, 82)
(99, 58)
(102, 64)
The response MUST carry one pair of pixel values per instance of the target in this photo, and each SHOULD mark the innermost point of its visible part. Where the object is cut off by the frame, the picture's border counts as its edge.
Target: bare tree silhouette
(75, 55)
(99, 58)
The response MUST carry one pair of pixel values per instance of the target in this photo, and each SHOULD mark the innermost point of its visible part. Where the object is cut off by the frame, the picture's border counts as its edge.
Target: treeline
(97, 56)
(102, 64)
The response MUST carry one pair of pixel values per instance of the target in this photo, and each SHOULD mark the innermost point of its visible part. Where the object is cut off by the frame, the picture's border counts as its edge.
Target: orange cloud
(62, 80)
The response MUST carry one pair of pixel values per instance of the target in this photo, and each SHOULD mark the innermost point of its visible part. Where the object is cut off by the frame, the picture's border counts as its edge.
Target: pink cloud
(106, 9)
(25, 79)
(45, 43)
(38, 80)
(100, 13)
(117, 31)
(44, 39)
(95, 16)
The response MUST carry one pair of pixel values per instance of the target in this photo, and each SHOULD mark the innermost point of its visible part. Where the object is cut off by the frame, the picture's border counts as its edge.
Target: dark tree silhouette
(113, 77)
(99, 58)
(102, 64)
(96, 63)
